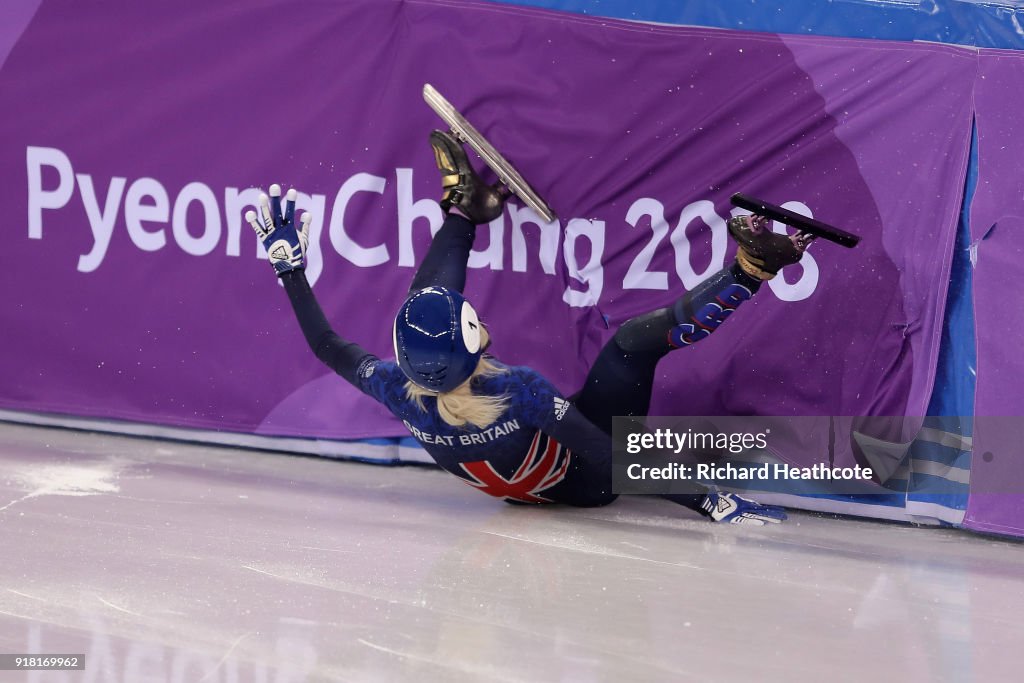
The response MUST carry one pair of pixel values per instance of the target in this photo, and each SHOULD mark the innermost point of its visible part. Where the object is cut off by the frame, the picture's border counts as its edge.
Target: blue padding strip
(960, 22)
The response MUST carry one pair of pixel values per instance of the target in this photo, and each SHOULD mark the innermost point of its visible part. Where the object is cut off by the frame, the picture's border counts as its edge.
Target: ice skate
(764, 253)
(463, 131)
(809, 226)
(463, 188)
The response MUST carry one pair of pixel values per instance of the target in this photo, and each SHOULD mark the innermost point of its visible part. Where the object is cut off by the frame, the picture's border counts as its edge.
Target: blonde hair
(461, 406)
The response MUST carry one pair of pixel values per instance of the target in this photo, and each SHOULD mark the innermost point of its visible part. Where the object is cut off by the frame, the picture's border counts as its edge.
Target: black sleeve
(445, 262)
(344, 357)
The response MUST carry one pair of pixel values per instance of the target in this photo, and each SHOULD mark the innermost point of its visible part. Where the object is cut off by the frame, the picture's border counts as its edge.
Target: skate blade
(506, 172)
(802, 223)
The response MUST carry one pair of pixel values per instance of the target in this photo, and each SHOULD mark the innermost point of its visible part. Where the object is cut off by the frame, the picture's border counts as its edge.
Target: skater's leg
(619, 384)
(445, 262)
(622, 377)
(586, 485)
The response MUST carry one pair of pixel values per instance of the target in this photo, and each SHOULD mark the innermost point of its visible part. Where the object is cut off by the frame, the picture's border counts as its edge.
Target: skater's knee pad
(646, 333)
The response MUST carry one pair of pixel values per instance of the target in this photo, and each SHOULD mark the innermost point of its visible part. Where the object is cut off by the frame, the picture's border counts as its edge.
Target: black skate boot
(764, 253)
(463, 188)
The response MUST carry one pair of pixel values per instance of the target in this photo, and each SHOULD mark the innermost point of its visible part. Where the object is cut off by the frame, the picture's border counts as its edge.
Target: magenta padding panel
(135, 136)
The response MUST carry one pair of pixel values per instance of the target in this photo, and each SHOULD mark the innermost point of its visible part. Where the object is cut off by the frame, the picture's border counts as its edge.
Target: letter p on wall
(36, 158)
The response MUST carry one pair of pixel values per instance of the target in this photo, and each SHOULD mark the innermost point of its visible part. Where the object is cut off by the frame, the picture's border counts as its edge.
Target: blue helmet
(437, 339)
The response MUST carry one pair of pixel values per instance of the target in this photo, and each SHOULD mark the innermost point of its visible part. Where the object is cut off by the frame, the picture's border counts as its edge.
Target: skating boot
(512, 181)
(764, 253)
(463, 188)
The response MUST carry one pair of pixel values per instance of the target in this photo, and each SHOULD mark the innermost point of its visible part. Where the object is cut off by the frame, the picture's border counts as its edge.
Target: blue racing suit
(544, 447)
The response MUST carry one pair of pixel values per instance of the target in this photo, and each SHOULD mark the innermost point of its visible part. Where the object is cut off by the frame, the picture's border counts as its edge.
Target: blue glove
(286, 246)
(733, 509)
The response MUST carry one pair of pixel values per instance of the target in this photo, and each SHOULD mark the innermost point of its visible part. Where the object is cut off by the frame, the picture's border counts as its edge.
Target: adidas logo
(561, 406)
(280, 253)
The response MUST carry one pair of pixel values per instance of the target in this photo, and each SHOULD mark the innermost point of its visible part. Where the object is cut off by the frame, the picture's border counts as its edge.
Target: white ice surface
(163, 561)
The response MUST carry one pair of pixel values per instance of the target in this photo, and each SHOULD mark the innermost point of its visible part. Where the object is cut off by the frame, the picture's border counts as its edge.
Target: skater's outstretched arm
(286, 248)
(343, 356)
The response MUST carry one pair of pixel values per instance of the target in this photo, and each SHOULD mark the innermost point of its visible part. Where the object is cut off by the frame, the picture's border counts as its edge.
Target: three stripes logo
(280, 251)
(561, 407)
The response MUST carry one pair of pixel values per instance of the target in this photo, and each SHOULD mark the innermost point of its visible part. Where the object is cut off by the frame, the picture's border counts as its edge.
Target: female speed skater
(506, 430)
